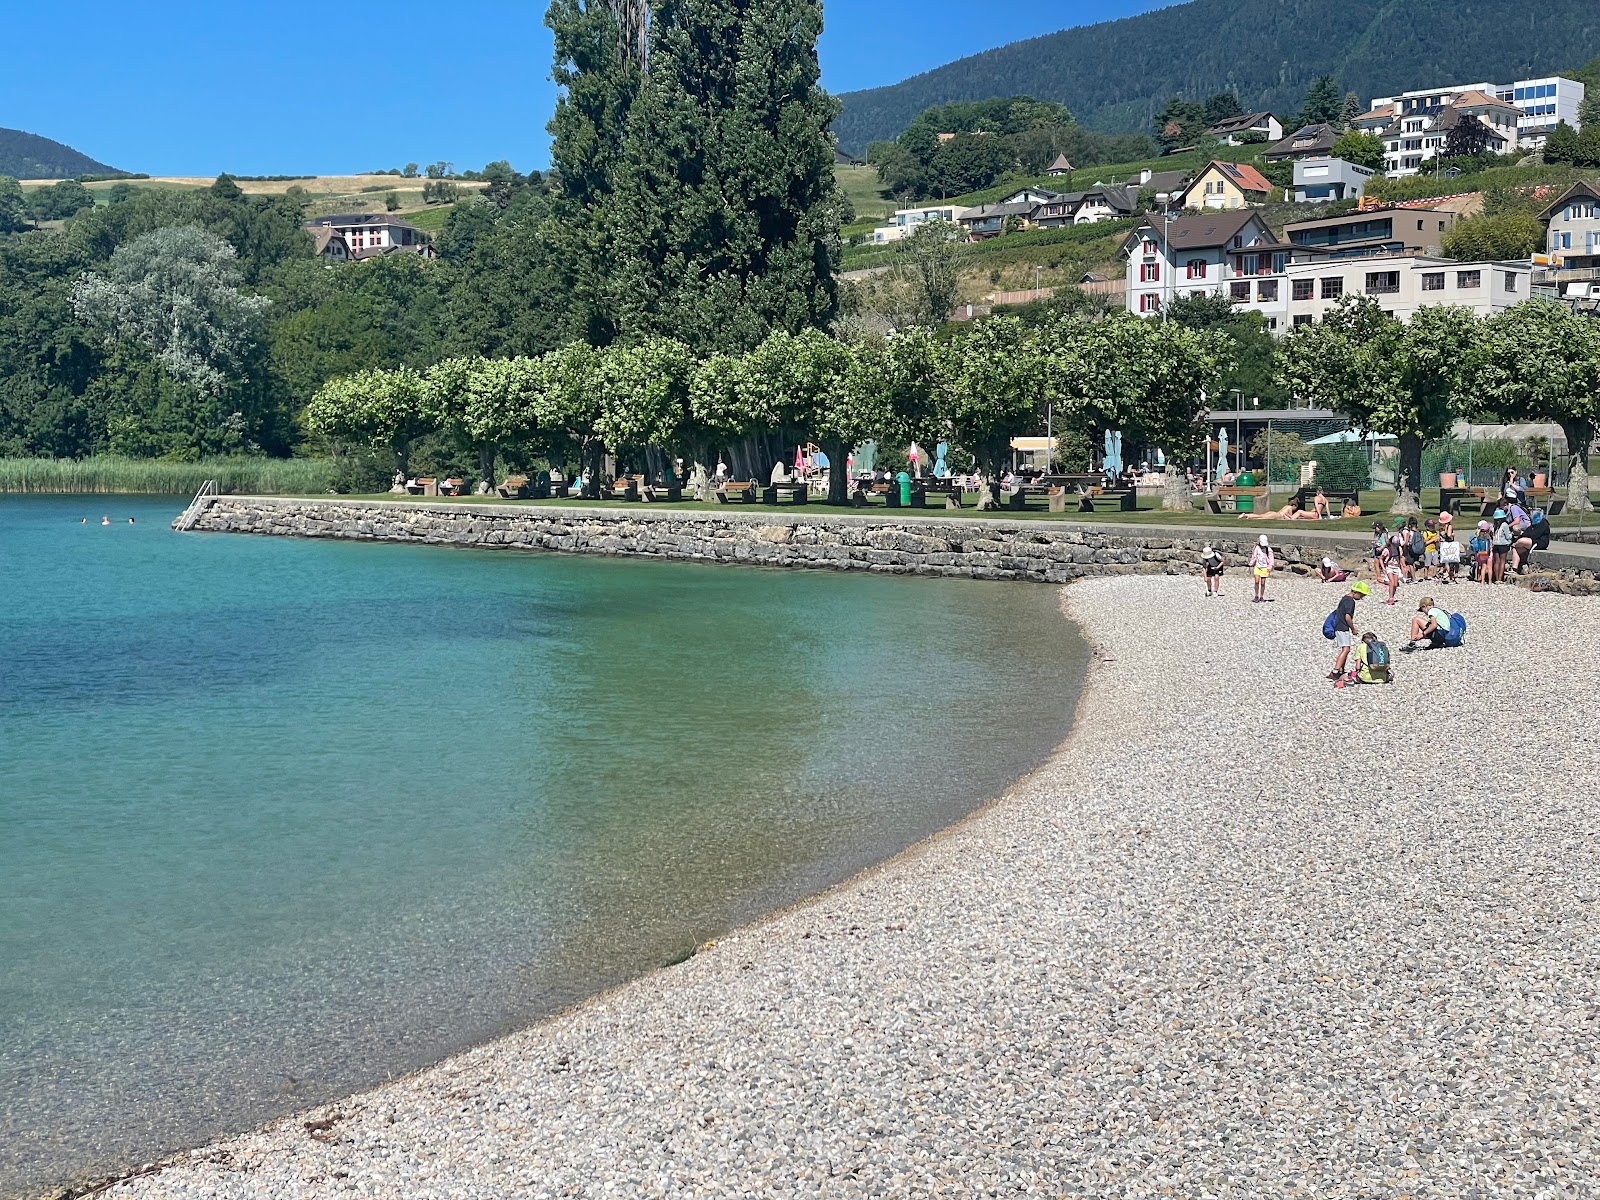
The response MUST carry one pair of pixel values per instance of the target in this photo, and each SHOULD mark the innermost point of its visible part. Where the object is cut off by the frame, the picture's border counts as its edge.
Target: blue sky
(183, 87)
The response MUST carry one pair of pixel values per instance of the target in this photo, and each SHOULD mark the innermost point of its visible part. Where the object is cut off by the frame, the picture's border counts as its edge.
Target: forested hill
(29, 156)
(1116, 75)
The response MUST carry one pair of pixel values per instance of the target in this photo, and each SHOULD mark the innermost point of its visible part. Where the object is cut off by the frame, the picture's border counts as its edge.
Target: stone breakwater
(1156, 968)
(967, 547)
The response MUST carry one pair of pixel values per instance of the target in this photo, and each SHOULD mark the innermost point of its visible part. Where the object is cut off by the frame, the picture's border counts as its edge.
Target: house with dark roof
(369, 235)
(1247, 127)
(1196, 254)
(329, 243)
(1227, 185)
(1307, 140)
(1059, 167)
(1105, 202)
(1374, 231)
(987, 221)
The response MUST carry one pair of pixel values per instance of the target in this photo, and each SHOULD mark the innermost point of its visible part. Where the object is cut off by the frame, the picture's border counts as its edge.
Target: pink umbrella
(799, 462)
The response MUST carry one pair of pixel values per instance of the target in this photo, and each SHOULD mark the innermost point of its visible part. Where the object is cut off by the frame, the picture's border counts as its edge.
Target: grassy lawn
(865, 193)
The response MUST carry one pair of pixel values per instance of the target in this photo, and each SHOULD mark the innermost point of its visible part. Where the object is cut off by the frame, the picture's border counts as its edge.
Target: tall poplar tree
(726, 215)
(599, 63)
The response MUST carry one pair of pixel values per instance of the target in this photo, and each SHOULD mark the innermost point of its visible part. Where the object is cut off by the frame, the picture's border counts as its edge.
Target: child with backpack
(1429, 627)
(1372, 663)
(1430, 549)
(1341, 626)
(1481, 548)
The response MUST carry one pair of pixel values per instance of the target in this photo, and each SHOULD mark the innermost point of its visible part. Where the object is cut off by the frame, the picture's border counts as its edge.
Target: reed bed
(108, 474)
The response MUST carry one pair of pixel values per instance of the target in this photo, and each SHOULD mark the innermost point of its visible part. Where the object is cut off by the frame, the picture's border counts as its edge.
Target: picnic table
(1451, 498)
(1055, 498)
(797, 491)
(1230, 497)
(1109, 499)
(734, 491)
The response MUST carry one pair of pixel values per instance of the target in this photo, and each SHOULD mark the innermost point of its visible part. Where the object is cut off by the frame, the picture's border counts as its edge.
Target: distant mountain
(29, 156)
(1116, 75)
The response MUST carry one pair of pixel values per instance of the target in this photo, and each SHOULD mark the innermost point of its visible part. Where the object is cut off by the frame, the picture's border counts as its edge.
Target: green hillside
(29, 156)
(1116, 75)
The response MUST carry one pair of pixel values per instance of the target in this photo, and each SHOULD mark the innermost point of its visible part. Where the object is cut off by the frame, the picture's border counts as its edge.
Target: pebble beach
(1242, 935)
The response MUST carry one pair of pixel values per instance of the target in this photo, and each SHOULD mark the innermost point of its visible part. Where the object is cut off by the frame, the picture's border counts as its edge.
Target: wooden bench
(1078, 483)
(1109, 500)
(513, 487)
(1305, 499)
(731, 491)
(662, 493)
(1230, 497)
(798, 491)
(1451, 498)
(1055, 498)
(626, 488)
(1538, 497)
(423, 487)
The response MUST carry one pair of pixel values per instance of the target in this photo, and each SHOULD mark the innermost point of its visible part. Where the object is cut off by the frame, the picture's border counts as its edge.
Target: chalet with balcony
(1192, 255)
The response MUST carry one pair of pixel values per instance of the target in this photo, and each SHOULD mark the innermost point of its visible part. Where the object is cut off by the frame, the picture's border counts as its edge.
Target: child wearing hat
(1261, 564)
(1344, 626)
(1211, 560)
(1480, 547)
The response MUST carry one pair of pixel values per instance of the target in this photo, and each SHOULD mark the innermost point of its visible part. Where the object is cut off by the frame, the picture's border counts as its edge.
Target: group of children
(1367, 660)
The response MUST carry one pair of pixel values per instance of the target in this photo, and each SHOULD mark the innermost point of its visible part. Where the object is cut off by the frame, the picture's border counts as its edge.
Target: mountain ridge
(29, 156)
(1115, 75)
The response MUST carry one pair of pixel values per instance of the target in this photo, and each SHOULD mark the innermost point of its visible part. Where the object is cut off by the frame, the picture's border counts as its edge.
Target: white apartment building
(906, 221)
(1523, 112)
(1235, 255)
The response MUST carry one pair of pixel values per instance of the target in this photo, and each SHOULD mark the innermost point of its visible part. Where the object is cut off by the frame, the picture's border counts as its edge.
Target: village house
(1059, 167)
(1572, 241)
(1304, 142)
(1191, 255)
(367, 235)
(906, 221)
(1247, 127)
(1227, 185)
(1411, 228)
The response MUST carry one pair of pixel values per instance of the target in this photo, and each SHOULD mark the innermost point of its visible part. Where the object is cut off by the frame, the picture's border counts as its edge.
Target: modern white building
(1535, 105)
(1234, 254)
(906, 221)
(1324, 179)
(367, 235)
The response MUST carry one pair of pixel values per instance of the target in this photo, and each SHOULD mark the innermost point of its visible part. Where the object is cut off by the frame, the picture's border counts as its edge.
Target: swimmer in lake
(105, 520)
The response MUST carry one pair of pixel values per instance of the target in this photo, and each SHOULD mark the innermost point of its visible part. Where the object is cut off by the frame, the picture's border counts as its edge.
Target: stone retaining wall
(1040, 551)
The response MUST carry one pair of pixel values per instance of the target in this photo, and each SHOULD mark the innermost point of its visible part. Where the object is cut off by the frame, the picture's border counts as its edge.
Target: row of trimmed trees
(1536, 361)
(977, 388)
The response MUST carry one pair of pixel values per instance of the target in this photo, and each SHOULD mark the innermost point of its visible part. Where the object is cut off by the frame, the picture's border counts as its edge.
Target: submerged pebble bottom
(1244, 936)
(282, 819)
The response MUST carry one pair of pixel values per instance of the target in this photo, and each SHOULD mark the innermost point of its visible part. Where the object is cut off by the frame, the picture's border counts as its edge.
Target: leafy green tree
(1252, 351)
(391, 409)
(1324, 103)
(1489, 238)
(820, 388)
(570, 400)
(644, 396)
(502, 287)
(1403, 379)
(1363, 149)
(176, 292)
(226, 188)
(1540, 361)
(61, 201)
(391, 201)
(487, 404)
(1561, 145)
(732, 106)
(1179, 123)
(14, 216)
(929, 266)
(409, 171)
(1589, 109)
(989, 387)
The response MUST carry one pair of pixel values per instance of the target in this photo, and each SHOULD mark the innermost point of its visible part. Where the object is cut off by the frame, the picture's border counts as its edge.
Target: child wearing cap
(1428, 626)
(1211, 561)
(1331, 572)
(1500, 545)
(1261, 564)
(1344, 626)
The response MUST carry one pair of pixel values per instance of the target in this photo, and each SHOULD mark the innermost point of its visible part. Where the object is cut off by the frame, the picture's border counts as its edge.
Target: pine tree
(1352, 110)
(726, 217)
(1323, 103)
(598, 64)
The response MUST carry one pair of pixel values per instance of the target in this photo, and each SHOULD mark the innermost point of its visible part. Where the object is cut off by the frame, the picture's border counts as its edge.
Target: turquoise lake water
(280, 818)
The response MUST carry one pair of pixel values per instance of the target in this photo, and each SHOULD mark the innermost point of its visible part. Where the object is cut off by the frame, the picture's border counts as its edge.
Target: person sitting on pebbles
(1372, 663)
(1429, 626)
(1331, 572)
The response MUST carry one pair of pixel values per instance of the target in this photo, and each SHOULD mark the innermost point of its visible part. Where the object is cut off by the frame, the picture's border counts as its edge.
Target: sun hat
(1483, 525)
(1499, 514)
(1263, 539)
(1206, 551)
(1328, 562)
(1445, 516)
(1360, 588)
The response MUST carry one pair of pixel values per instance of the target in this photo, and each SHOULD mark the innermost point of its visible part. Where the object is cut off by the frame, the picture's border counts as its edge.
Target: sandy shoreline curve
(1239, 935)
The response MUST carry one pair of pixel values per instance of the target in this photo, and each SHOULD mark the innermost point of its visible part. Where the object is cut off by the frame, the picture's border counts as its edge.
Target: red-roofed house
(1227, 185)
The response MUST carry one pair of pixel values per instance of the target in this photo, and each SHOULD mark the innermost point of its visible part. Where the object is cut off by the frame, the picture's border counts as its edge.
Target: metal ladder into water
(202, 501)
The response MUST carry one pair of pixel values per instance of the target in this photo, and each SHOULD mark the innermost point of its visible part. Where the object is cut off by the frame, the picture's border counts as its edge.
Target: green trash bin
(1244, 504)
(904, 481)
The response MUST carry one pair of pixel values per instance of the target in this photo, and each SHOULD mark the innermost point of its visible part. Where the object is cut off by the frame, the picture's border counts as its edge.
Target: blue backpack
(1458, 630)
(1330, 627)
